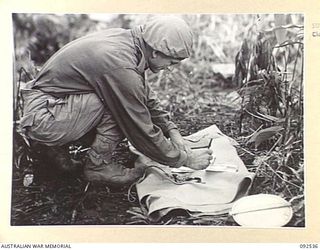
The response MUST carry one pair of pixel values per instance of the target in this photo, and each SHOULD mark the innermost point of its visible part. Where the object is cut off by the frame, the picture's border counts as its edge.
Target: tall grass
(269, 70)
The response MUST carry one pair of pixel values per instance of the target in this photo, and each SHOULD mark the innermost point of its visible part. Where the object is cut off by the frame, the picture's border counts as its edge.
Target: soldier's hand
(199, 159)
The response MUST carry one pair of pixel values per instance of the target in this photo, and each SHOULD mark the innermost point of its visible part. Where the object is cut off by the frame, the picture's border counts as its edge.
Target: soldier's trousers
(56, 121)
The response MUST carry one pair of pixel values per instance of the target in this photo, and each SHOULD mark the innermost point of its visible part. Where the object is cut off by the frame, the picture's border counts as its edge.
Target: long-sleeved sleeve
(125, 94)
(159, 116)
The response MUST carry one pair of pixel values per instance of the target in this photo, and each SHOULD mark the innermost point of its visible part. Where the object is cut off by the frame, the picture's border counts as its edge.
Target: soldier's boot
(112, 174)
(99, 167)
